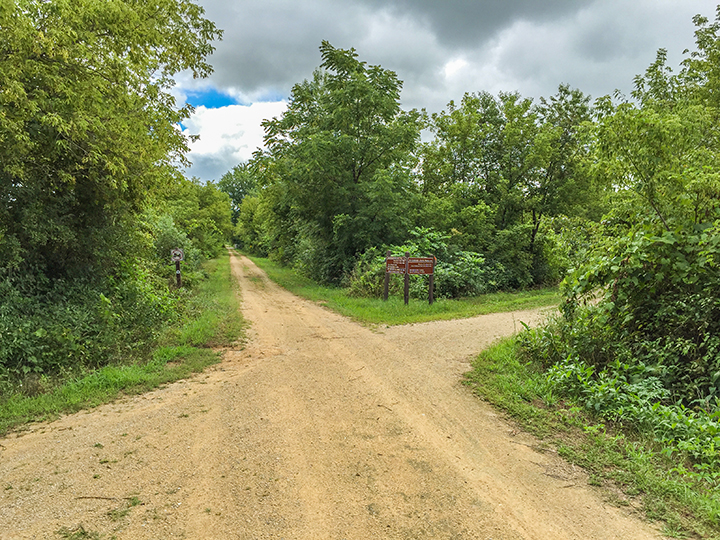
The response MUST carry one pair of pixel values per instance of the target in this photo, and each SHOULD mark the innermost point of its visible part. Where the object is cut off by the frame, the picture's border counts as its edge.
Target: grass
(78, 533)
(212, 320)
(374, 311)
(628, 467)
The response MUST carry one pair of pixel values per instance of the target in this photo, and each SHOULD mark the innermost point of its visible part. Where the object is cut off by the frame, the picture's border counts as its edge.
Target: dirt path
(320, 429)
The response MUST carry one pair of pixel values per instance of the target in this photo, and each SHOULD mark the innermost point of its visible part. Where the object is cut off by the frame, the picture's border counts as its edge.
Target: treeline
(345, 176)
(91, 200)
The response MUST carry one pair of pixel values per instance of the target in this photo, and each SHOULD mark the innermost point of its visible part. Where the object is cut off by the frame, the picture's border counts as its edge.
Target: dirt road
(319, 429)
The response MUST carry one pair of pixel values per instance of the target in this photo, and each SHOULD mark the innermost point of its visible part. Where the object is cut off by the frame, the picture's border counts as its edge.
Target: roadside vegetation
(633, 466)
(207, 318)
(626, 379)
(92, 201)
(375, 311)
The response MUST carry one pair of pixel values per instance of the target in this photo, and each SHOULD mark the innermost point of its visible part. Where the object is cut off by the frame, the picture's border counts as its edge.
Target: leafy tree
(88, 141)
(504, 165)
(87, 125)
(340, 161)
(203, 212)
(238, 183)
(658, 266)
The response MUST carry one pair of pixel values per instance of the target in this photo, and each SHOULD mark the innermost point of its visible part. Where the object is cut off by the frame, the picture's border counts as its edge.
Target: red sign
(421, 265)
(417, 266)
(395, 265)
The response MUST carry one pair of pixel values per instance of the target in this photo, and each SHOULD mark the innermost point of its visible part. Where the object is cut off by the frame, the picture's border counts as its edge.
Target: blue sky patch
(211, 98)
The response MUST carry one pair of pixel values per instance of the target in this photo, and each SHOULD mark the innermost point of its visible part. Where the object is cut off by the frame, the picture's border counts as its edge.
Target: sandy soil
(319, 429)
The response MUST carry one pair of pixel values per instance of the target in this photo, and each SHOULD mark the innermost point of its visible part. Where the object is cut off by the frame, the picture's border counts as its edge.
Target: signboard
(395, 265)
(417, 266)
(421, 266)
(177, 255)
(410, 266)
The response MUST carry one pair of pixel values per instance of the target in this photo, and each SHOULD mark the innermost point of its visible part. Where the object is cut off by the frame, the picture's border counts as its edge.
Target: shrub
(457, 273)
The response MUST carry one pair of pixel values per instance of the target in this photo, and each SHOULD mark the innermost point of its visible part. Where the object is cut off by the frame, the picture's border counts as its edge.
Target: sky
(440, 49)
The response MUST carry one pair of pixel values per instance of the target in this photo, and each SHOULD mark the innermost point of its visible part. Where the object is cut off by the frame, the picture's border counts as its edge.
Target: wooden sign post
(177, 255)
(410, 266)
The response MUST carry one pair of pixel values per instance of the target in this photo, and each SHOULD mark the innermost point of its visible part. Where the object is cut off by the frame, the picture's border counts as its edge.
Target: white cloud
(228, 136)
(453, 66)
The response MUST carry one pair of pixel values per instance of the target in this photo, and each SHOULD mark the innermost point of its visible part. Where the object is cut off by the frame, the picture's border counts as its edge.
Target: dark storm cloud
(465, 22)
(270, 45)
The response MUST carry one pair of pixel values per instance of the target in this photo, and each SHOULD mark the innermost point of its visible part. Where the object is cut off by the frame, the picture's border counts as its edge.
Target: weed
(78, 533)
(119, 513)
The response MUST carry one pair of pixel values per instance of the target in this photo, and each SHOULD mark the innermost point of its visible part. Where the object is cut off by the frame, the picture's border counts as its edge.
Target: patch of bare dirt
(319, 429)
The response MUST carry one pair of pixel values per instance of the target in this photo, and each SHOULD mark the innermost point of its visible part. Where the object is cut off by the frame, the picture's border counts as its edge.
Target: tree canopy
(87, 130)
(89, 178)
(337, 169)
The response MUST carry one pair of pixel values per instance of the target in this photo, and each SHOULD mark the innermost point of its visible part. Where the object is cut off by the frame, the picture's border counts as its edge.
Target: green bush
(70, 326)
(457, 273)
(639, 341)
(660, 305)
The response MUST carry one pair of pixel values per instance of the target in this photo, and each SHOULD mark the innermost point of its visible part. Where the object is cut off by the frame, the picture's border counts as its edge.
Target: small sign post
(406, 289)
(410, 266)
(177, 255)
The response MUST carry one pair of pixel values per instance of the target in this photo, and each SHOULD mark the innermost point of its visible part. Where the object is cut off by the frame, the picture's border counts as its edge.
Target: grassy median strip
(374, 311)
(630, 467)
(211, 319)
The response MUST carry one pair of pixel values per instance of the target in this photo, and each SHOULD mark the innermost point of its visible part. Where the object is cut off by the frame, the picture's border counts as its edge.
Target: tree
(504, 165)
(203, 212)
(88, 141)
(87, 125)
(659, 269)
(238, 183)
(342, 152)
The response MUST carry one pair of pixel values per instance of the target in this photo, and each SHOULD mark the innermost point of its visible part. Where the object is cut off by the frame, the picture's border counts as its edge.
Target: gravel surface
(319, 429)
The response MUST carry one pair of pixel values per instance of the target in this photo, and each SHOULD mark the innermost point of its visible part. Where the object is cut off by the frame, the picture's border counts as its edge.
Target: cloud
(228, 136)
(440, 50)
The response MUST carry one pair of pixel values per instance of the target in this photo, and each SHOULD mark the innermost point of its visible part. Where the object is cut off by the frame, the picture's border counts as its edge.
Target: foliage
(203, 212)
(639, 341)
(77, 324)
(205, 317)
(238, 183)
(336, 178)
(457, 273)
(89, 149)
(499, 167)
(644, 468)
(87, 124)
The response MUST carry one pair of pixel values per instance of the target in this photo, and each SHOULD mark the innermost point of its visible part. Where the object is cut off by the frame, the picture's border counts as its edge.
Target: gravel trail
(319, 429)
